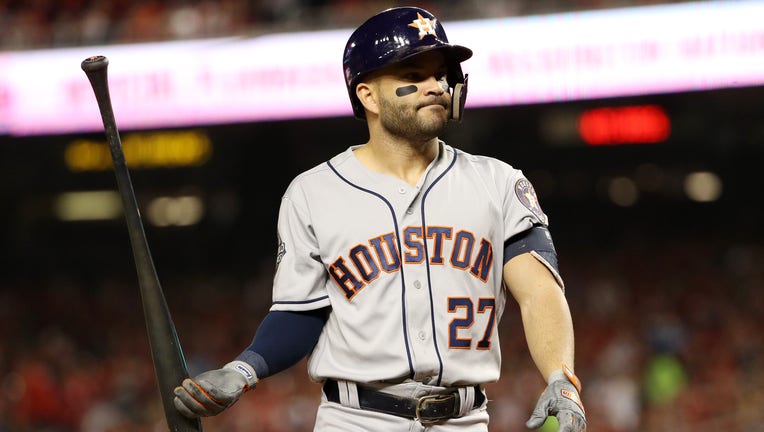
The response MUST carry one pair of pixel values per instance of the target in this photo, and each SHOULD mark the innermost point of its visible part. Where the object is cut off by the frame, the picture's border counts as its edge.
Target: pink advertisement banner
(518, 60)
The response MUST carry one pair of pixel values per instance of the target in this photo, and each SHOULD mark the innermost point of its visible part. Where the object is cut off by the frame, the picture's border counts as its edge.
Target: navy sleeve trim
(283, 339)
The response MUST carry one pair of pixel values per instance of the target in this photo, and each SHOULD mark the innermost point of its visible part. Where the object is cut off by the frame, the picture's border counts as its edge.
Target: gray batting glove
(562, 400)
(211, 392)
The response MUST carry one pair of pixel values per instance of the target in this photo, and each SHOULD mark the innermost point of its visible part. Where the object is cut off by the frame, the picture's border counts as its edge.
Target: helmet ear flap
(458, 98)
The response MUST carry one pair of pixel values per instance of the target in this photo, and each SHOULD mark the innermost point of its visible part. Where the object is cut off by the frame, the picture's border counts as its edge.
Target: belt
(427, 409)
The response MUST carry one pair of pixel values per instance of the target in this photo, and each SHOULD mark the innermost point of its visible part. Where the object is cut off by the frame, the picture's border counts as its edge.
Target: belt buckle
(422, 403)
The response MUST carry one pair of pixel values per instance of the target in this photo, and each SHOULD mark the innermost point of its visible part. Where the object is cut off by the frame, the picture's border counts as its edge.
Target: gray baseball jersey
(413, 274)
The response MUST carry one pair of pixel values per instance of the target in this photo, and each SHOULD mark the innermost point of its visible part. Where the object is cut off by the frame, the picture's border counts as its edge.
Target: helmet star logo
(425, 25)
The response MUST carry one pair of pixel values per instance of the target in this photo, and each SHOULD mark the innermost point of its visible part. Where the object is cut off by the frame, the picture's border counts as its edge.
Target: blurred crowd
(34, 24)
(668, 339)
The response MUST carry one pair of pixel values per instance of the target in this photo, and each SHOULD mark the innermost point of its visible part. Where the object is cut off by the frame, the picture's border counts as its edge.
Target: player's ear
(367, 93)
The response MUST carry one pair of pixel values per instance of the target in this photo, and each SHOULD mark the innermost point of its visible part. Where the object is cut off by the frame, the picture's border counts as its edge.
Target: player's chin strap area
(428, 409)
(458, 98)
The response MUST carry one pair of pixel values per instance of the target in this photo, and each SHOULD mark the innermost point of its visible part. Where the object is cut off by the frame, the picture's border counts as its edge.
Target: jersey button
(422, 335)
(402, 190)
(417, 284)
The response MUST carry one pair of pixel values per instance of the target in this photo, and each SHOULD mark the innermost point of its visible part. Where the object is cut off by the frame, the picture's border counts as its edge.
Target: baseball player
(396, 258)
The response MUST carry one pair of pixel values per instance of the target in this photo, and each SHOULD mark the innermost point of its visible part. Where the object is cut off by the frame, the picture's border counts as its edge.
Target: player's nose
(435, 86)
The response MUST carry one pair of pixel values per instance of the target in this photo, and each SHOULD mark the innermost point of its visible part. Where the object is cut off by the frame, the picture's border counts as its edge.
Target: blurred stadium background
(654, 200)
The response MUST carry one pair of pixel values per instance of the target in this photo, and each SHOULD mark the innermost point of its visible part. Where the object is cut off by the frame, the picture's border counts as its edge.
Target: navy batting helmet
(392, 36)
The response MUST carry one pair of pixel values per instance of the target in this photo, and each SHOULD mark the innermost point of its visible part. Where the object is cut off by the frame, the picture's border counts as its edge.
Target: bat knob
(94, 63)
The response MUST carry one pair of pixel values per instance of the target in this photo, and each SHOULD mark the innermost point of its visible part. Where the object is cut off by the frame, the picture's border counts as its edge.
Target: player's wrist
(246, 371)
(567, 374)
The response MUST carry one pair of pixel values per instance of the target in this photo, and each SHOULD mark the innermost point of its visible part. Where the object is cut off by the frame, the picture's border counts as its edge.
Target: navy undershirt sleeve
(283, 339)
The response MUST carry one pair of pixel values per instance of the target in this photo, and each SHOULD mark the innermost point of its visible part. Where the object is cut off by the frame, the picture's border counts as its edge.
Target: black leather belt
(427, 409)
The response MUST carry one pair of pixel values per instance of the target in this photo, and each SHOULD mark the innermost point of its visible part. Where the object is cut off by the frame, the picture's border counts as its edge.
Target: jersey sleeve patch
(280, 251)
(527, 196)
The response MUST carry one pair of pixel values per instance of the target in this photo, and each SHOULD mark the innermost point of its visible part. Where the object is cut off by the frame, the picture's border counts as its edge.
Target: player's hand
(213, 391)
(562, 400)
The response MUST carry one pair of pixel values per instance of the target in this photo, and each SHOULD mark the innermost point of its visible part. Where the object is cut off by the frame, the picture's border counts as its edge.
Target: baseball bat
(166, 352)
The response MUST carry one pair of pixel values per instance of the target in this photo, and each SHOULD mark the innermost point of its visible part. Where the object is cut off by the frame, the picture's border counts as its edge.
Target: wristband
(245, 370)
(571, 377)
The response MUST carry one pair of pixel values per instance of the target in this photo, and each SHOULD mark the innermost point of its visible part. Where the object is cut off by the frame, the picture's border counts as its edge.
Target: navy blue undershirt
(283, 339)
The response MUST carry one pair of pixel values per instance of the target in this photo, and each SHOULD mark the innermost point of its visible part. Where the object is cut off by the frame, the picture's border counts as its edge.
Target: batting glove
(211, 392)
(562, 400)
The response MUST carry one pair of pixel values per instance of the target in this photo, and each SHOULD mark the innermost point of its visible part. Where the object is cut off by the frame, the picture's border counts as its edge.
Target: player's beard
(406, 121)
